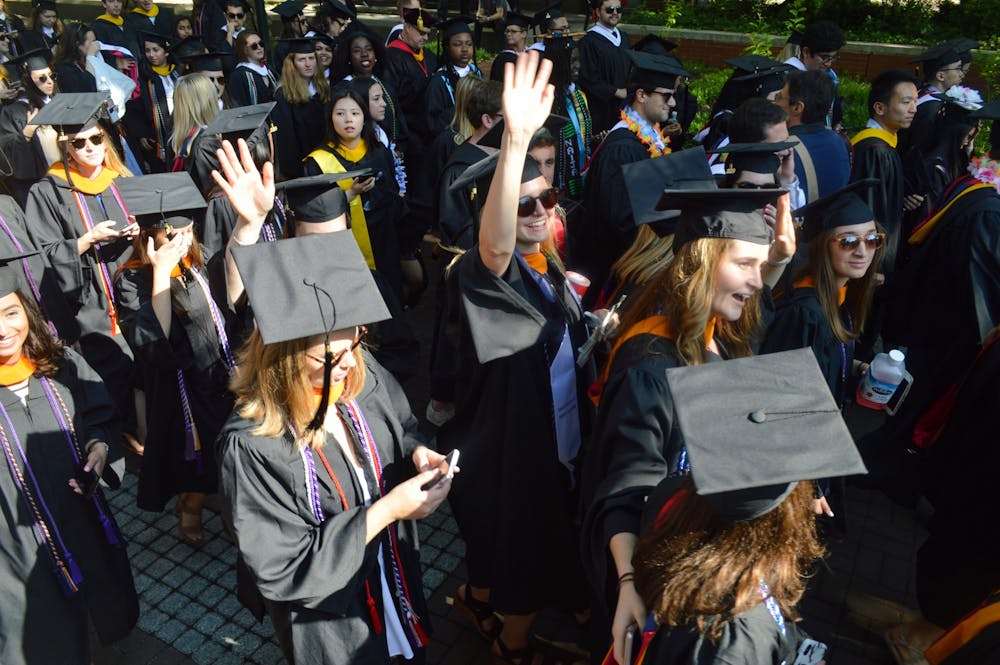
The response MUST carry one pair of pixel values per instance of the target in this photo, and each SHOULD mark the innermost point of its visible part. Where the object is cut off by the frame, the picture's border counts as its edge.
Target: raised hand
(251, 192)
(784, 231)
(527, 94)
(170, 253)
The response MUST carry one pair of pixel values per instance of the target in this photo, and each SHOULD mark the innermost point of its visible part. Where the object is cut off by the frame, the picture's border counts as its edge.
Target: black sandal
(508, 656)
(476, 612)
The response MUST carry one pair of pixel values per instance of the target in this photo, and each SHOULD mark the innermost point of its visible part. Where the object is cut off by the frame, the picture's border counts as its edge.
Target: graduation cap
(12, 274)
(964, 46)
(481, 173)
(519, 20)
(419, 17)
(318, 198)
(289, 9)
(156, 38)
(719, 213)
(45, 6)
(654, 44)
(339, 9)
(161, 200)
(938, 56)
(456, 25)
(187, 47)
(541, 18)
(205, 62)
(300, 44)
(844, 207)
(653, 71)
(753, 427)
(754, 157)
(240, 120)
(32, 61)
(492, 139)
(72, 112)
(647, 178)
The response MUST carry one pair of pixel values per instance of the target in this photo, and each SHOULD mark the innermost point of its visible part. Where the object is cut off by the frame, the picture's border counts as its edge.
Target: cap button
(758, 416)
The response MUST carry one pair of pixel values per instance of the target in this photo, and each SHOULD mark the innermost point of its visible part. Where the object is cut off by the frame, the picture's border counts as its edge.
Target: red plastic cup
(579, 283)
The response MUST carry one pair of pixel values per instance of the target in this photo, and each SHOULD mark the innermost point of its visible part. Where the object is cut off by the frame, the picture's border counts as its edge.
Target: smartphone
(451, 460)
(630, 634)
(87, 480)
(811, 652)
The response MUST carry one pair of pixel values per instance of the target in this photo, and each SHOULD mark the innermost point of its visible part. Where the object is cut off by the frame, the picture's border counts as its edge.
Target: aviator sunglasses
(78, 144)
(851, 241)
(526, 204)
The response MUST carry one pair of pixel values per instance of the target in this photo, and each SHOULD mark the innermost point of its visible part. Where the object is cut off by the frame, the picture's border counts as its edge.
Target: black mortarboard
(542, 17)
(520, 20)
(31, 61)
(156, 38)
(654, 71)
(72, 112)
(161, 199)
(239, 121)
(338, 8)
(205, 62)
(289, 9)
(937, 57)
(654, 44)
(419, 17)
(318, 198)
(302, 287)
(754, 427)
(755, 157)
(12, 274)
(456, 25)
(647, 178)
(759, 75)
(990, 111)
(299, 44)
(719, 213)
(844, 207)
(749, 65)
(964, 46)
(45, 6)
(187, 47)
(491, 139)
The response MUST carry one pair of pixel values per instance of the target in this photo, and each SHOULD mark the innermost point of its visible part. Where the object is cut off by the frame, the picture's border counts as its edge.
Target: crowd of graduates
(646, 335)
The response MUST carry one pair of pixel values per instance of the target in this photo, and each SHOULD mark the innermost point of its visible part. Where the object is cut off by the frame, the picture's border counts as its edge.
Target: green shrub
(854, 90)
(705, 84)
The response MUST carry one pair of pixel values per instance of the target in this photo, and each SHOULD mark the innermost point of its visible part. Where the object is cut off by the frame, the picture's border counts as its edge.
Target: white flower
(968, 98)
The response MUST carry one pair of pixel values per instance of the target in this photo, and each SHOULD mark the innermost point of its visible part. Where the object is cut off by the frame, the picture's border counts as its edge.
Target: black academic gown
(24, 159)
(606, 228)
(162, 24)
(408, 79)
(874, 158)
(499, 64)
(247, 87)
(220, 219)
(311, 576)
(74, 79)
(55, 227)
(41, 282)
(439, 100)
(513, 500)
(118, 35)
(32, 39)
(192, 347)
(42, 625)
(149, 117)
(301, 128)
(604, 68)
(458, 213)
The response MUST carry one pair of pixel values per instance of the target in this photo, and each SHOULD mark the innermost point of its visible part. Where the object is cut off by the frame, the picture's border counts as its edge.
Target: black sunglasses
(750, 185)
(232, 15)
(255, 45)
(526, 204)
(45, 78)
(78, 144)
(340, 356)
(850, 242)
(613, 10)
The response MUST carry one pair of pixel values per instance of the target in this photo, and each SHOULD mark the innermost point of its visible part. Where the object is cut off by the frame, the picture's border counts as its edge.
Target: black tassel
(324, 401)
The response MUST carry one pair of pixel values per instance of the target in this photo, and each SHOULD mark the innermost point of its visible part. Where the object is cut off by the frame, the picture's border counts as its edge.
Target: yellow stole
(162, 71)
(808, 282)
(329, 163)
(875, 132)
(151, 13)
(116, 20)
(83, 184)
(924, 229)
(11, 375)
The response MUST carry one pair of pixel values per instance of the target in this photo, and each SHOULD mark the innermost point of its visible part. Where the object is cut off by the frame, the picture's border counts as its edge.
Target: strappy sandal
(508, 656)
(476, 612)
(192, 535)
(902, 651)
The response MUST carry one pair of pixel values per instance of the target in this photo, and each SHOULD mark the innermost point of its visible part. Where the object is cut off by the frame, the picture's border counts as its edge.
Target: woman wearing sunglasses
(521, 411)
(32, 91)
(830, 299)
(252, 82)
(79, 219)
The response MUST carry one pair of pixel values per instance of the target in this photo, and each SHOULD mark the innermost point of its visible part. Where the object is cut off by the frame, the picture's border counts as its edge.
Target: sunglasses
(216, 79)
(828, 58)
(526, 204)
(255, 45)
(45, 78)
(751, 185)
(613, 10)
(78, 144)
(850, 242)
(234, 15)
(337, 359)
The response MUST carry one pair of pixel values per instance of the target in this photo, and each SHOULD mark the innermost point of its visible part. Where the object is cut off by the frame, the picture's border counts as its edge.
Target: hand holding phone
(86, 481)
(451, 460)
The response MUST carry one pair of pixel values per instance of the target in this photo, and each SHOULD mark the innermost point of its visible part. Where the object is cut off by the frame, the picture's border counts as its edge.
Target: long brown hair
(696, 568)
(859, 291)
(645, 257)
(272, 387)
(683, 291)
(41, 347)
(296, 88)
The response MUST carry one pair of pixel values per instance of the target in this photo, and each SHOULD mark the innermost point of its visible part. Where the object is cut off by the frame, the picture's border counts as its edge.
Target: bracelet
(777, 264)
(107, 447)
(627, 577)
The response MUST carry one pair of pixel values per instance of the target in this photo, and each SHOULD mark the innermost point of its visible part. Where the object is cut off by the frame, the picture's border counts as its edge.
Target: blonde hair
(273, 390)
(195, 105)
(683, 291)
(296, 88)
(648, 255)
(463, 94)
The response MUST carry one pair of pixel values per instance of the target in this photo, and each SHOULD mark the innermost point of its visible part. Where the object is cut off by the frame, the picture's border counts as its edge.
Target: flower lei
(968, 98)
(648, 134)
(986, 170)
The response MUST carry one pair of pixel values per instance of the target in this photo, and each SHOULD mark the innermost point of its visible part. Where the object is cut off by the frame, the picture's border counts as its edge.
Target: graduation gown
(162, 24)
(875, 158)
(247, 86)
(439, 100)
(217, 225)
(40, 624)
(604, 68)
(55, 227)
(32, 39)
(26, 159)
(458, 213)
(149, 117)
(408, 79)
(192, 347)
(513, 501)
(118, 35)
(301, 128)
(606, 228)
(312, 576)
(74, 79)
(499, 63)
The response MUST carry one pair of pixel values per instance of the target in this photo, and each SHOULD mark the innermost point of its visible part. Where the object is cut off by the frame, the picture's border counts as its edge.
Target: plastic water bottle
(885, 374)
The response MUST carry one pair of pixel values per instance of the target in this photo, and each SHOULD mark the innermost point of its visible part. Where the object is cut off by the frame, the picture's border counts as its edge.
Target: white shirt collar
(613, 36)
